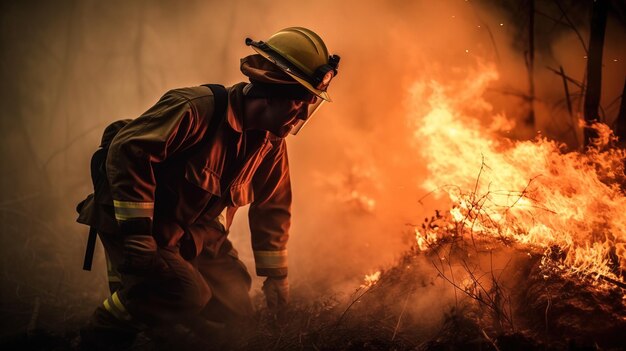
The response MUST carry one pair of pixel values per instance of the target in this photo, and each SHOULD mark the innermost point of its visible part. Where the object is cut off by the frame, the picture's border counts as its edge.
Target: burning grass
(530, 192)
(457, 295)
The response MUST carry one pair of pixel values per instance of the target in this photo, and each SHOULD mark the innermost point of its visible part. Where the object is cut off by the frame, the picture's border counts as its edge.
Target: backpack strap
(221, 99)
(220, 94)
(91, 247)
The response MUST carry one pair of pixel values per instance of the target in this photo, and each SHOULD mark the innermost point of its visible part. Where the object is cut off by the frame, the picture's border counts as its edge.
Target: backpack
(101, 193)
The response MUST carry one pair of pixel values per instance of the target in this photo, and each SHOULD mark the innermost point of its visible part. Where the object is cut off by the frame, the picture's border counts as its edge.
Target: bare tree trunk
(620, 123)
(530, 119)
(594, 66)
(566, 89)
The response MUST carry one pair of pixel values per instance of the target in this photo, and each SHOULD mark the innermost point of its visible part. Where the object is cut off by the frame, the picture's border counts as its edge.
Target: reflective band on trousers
(114, 278)
(114, 305)
(125, 209)
(112, 274)
(270, 259)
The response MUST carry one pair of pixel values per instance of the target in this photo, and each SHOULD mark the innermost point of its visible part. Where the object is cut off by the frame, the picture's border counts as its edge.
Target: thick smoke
(71, 67)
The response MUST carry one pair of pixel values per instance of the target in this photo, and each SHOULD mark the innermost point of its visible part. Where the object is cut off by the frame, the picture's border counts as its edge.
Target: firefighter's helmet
(301, 54)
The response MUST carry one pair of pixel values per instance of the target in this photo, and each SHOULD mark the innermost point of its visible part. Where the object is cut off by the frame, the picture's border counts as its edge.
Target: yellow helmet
(301, 54)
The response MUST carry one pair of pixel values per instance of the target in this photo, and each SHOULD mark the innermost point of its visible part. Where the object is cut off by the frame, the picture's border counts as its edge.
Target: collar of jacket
(235, 107)
(235, 112)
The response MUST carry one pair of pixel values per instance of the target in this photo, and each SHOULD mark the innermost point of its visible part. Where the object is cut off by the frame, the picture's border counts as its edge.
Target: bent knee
(196, 300)
(189, 297)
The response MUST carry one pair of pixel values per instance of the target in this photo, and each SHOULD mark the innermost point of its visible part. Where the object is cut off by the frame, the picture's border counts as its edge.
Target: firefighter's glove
(276, 290)
(140, 255)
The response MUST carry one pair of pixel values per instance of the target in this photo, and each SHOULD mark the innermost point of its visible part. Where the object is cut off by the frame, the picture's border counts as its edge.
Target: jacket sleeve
(270, 213)
(171, 126)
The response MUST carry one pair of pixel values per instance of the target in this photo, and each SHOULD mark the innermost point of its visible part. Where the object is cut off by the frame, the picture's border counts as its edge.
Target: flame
(370, 280)
(530, 192)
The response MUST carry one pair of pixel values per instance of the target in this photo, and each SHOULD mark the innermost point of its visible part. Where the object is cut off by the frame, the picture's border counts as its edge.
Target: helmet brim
(280, 62)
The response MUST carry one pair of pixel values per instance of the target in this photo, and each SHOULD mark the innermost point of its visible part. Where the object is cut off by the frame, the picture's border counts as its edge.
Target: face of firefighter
(277, 116)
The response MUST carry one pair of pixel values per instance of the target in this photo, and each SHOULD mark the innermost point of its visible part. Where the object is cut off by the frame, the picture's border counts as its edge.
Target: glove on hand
(140, 255)
(276, 290)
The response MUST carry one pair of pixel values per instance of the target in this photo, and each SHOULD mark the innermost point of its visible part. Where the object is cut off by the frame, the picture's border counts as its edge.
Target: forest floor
(458, 296)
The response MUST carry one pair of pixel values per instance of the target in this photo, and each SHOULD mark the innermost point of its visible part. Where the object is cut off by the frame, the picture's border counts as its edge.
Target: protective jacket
(190, 174)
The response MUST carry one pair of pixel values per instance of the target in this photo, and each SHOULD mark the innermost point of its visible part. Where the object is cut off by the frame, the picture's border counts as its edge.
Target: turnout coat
(189, 173)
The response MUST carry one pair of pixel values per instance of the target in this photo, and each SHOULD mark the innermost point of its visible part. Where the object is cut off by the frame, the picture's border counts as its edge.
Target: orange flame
(530, 192)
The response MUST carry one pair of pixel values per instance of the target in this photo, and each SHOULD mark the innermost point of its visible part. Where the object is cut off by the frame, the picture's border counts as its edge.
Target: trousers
(212, 286)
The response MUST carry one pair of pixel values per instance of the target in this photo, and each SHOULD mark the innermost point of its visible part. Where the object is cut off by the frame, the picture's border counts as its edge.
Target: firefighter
(176, 176)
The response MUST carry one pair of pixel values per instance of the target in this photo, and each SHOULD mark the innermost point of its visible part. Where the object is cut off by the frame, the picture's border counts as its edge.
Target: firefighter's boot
(105, 332)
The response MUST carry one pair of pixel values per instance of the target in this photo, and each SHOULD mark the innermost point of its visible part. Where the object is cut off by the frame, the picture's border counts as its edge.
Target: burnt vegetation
(522, 303)
(491, 295)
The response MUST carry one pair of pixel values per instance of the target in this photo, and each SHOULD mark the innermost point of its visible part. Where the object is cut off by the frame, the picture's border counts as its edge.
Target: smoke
(69, 68)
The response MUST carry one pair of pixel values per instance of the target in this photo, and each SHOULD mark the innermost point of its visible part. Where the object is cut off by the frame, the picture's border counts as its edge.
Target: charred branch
(566, 77)
(613, 281)
(568, 101)
(566, 90)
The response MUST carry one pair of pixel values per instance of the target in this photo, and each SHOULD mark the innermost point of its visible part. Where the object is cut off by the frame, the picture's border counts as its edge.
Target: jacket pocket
(203, 178)
(96, 215)
(241, 194)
